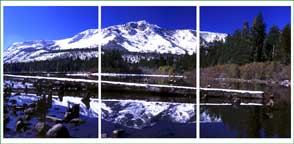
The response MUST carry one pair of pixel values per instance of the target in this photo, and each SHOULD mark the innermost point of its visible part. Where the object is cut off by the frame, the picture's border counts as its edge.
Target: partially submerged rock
(86, 100)
(77, 121)
(58, 131)
(6, 119)
(29, 110)
(41, 128)
(20, 125)
(72, 112)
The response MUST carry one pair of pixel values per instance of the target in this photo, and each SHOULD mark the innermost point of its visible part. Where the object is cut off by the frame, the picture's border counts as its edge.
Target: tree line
(113, 61)
(250, 44)
(65, 65)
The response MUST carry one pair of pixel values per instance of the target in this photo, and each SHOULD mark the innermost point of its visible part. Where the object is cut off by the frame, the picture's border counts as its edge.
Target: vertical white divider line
(198, 72)
(99, 72)
(1, 69)
(292, 59)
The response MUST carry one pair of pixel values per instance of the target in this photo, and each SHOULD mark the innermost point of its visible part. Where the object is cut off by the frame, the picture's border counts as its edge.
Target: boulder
(72, 112)
(86, 100)
(13, 101)
(6, 119)
(27, 117)
(41, 128)
(76, 121)
(29, 110)
(58, 131)
(19, 125)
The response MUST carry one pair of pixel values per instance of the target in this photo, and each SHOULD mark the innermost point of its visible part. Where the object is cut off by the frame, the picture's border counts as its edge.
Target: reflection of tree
(279, 125)
(251, 121)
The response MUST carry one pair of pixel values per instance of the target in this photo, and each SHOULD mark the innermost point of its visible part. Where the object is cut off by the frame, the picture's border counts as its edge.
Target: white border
(150, 3)
(99, 77)
(1, 74)
(198, 73)
(292, 71)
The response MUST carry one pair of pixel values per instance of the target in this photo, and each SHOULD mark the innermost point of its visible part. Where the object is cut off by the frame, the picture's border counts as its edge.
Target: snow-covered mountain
(207, 37)
(83, 45)
(142, 36)
(139, 36)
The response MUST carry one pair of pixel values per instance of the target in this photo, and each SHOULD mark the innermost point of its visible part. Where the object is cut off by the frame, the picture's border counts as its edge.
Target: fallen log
(215, 92)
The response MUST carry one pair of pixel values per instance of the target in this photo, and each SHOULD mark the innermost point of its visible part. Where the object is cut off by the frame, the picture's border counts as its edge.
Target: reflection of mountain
(139, 114)
(139, 36)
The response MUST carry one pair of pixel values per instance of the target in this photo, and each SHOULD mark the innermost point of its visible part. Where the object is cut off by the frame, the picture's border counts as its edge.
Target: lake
(248, 121)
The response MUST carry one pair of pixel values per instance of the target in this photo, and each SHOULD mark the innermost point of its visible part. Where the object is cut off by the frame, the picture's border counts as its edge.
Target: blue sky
(228, 19)
(163, 16)
(22, 23)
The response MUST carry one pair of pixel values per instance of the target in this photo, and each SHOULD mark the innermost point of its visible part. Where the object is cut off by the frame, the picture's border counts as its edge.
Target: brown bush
(262, 71)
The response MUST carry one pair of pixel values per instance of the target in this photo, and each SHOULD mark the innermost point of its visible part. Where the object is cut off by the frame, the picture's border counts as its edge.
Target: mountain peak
(136, 36)
(141, 24)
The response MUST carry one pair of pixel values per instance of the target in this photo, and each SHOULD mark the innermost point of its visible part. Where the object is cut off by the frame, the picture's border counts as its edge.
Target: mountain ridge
(134, 36)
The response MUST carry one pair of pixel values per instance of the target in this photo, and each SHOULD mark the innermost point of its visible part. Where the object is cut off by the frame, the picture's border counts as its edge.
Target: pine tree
(286, 44)
(245, 45)
(271, 45)
(257, 36)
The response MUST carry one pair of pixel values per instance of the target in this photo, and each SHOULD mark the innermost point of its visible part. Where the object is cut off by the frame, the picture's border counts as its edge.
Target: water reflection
(249, 121)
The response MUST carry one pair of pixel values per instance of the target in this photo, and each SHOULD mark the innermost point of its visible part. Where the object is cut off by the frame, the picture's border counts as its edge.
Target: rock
(5, 110)
(19, 108)
(86, 100)
(13, 110)
(117, 133)
(13, 101)
(41, 128)
(285, 83)
(58, 131)
(73, 112)
(29, 110)
(27, 117)
(32, 105)
(270, 103)
(76, 121)
(25, 105)
(236, 102)
(18, 93)
(19, 125)
(6, 119)
(68, 116)
(6, 129)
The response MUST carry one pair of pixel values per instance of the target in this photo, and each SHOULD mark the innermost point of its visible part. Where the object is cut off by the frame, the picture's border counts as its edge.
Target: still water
(249, 121)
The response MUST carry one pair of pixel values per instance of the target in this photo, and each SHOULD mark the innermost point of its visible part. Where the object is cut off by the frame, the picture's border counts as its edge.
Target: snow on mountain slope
(139, 114)
(77, 47)
(139, 36)
(212, 36)
(144, 37)
(85, 39)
